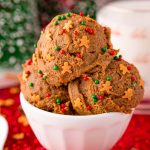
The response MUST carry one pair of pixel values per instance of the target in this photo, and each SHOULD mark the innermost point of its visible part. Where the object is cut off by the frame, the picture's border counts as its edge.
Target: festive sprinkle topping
(104, 49)
(59, 18)
(68, 14)
(81, 13)
(66, 68)
(87, 29)
(62, 105)
(89, 107)
(82, 23)
(76, 32)
(40, 71)
(120, 58)
(64, 31)
(31, 84)
(94, 98)
(112, 52)
(29, 61)
(108, 78)
(62, 51)
(92, 31)
(100, 97)
(116, 57)
(68, 26)
(96, 81)
(63, 110)
(27, 72)
(106, 87)
(133, 84)
(47, 94)
(63, 17)
(78, 55)
(133, 78)
(84, 41)
(78, 103)
(41, 75)
(56, 23)
(58, 101)
(57, 48)
(85, 77)
(124, 69)
(128, 94)
(44, 77)
(129, 67)
(56, 67)
(35, 46)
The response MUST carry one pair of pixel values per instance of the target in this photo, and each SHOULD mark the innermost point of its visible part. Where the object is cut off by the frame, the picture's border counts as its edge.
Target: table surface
(21, 137)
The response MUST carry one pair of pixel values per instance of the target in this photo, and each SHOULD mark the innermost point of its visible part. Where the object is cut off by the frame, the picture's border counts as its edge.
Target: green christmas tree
(17, 32)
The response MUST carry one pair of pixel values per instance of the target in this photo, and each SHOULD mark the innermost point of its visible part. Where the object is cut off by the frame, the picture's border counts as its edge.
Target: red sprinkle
(62, 105)
(129, 67)
(87, 29)
(85, 78)
(78, 55)
(47, 94)
(62, 51)
(29, 61)
(100, 97)
(89, 107)
(120, 58)
(76, 32)
(27, 72)
(112, 52)
(40, 75)
(64, 31)
(92, 31)
(133, 78)
(63, 110)
(81, 13)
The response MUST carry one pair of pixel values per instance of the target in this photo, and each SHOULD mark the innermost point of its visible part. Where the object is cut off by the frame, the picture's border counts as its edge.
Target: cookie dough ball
(71, 45)
(117, 89)
(39, 93)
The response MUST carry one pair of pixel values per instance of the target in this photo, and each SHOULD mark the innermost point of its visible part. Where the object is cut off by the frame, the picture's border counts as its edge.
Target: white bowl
(67, 132)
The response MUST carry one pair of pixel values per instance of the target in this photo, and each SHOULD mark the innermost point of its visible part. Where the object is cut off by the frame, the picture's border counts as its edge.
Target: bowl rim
(95, 116)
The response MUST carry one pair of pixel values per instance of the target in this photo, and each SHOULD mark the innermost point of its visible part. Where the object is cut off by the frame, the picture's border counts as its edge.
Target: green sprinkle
(104, 49)
(57, 48)
(55, 67)
(39, 71)
(31, 84)
(94, 100)
(59, 18)
(108, 78)
(58, 100)
(44, 77)
(94, 96)
(63, 17)
(96, 81)
(68, 14)
(35, 46)
(82, 22)
(116, 57)
(133, 84)
(56, 22)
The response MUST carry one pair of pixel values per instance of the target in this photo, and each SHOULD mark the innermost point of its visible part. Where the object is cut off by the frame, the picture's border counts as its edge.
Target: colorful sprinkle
(62, 105)
(96, 81)
(62, 51)
(81, 13)
(31, 84)
(100, 97)
(116, 57)
(78, 55)
(56, 23)
(41, 75)
(59, 18)
(47, 94)
(104, 49)
(133, 84)
(108, 78)
(40, 71)
(57, 48)
(35, 46)
(94, 100)
(64, 31)
(120, 58)
(63, 17)
(87, 29)
(68, 14)
(85, 77)
(82, 22)
(129, 67)
(89, 107)
(76, 32)
(27, 72)
(58, 101)
(112, 52)
(63, 110)
(29, 61)
(44, 77)
(56, 67)
(92, 31)
(133, 78)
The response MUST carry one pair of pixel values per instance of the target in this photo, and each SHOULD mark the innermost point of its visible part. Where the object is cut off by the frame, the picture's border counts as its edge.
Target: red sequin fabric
(21, 137)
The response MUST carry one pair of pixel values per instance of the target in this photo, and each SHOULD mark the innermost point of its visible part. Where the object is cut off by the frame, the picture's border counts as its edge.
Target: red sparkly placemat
(21, 137)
